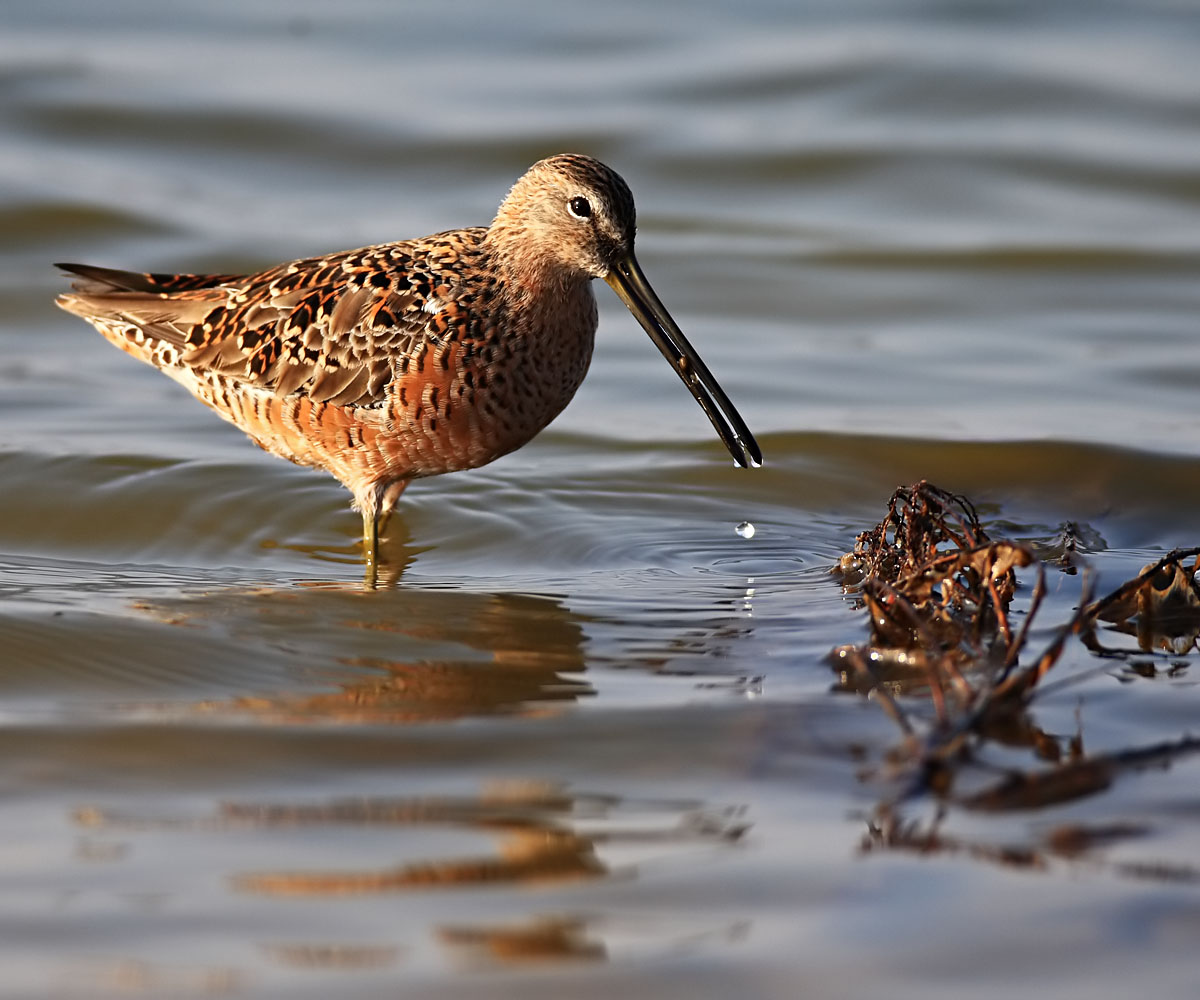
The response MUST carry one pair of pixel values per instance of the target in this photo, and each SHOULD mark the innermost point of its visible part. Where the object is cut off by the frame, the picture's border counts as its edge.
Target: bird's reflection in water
(313, 662)
(536, 842)
(483, 654)
(545, 835)
(333, 956)
(593, 937)
(325, 653)
(540, 940)
(328, 652)
(396, 553)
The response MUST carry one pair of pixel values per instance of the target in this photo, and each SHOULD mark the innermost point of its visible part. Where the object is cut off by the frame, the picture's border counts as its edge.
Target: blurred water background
(589, 742)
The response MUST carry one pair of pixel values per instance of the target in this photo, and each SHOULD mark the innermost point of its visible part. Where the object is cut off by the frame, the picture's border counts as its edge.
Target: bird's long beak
(628, 281)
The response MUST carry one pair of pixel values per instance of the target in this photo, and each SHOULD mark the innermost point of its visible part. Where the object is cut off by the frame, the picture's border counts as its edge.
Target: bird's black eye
(580, 207)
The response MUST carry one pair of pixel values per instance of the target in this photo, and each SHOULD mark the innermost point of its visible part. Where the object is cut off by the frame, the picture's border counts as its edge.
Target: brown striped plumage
(404, 360)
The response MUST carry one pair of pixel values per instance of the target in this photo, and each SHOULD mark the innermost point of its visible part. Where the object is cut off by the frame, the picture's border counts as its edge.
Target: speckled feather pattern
(391, 362)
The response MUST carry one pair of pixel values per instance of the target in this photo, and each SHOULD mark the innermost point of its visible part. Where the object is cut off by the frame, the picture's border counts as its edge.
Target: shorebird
(405, 360)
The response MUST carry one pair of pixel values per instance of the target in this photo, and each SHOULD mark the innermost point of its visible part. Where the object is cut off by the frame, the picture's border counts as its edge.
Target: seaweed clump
(939, 592)
(938, 589)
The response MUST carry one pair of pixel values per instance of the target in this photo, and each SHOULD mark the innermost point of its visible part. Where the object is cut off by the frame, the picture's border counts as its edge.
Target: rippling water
(589, 741)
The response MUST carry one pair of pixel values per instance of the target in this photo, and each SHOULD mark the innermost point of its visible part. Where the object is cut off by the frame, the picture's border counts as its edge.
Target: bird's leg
(376, 507)
(387, 501)
(370, 548)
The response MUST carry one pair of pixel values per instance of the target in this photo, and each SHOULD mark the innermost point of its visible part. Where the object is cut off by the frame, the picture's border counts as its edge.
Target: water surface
(589, 741)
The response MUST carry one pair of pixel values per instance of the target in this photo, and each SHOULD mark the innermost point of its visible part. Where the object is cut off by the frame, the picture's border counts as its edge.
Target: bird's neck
(534, 282)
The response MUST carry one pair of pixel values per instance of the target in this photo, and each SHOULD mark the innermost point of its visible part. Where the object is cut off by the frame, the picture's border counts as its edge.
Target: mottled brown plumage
(404, 360)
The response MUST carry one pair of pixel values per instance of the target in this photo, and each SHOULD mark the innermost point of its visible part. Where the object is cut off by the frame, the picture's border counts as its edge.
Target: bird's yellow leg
(370, 549)
(387, 501)
(377, 506)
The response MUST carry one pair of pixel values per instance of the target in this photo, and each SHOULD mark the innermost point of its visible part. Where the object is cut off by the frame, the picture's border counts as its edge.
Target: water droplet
(745, 530)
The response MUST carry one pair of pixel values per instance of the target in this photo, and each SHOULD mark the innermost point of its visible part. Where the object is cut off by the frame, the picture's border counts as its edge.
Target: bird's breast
(488, 382)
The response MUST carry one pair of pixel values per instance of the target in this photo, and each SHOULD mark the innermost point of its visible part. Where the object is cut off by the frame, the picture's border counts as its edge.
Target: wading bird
(405, 360)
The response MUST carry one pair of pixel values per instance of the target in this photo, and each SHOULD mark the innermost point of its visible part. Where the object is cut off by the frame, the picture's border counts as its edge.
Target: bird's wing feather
(330, 327)
(108, 279)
